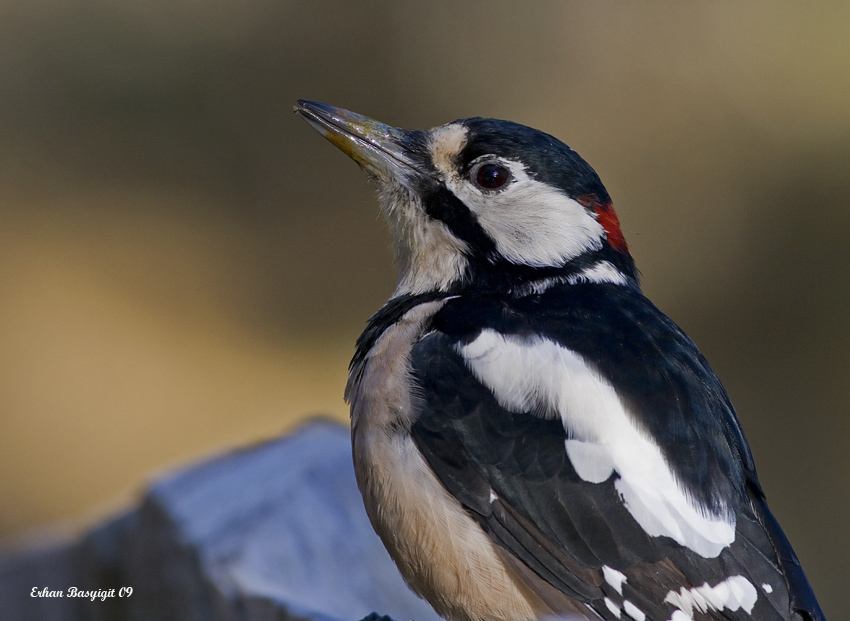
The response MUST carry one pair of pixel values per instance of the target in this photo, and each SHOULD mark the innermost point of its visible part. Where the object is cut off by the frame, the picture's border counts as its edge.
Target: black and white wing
(585, 434)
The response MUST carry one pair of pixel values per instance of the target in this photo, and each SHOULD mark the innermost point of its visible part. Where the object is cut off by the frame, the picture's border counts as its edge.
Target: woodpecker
(532, 437)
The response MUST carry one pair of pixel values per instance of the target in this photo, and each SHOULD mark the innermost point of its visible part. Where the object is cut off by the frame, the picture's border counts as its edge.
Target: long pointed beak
(378, 149)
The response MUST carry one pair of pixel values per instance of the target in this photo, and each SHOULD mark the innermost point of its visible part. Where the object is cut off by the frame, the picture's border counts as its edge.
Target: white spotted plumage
(613, 577)
(613, 607)
(633, 611)
(733, 593)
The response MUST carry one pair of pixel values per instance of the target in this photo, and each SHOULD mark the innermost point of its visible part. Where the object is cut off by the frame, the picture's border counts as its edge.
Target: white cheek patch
(734, 593)
(531, 222)
(538, 375)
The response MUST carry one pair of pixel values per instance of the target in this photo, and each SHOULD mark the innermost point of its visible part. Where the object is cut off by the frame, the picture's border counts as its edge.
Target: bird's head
(483, 203)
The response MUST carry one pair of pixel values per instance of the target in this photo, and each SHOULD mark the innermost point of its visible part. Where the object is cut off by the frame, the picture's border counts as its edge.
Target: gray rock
(272, 532)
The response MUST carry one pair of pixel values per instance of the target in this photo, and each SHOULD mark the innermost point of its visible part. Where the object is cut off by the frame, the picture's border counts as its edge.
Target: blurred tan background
(184, 265)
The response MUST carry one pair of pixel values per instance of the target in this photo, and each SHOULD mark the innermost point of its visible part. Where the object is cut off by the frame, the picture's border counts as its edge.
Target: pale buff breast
(441, 552)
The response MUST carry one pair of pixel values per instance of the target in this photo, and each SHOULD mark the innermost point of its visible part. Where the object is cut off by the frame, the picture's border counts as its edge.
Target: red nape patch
(607, 217)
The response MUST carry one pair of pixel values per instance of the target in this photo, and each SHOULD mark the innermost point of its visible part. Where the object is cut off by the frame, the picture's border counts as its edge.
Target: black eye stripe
(490, 175)
(444, 206)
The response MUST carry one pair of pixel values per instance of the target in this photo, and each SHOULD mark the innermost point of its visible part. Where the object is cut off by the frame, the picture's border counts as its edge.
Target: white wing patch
(537, 375)
(633, 611)
(614, 608)
(734, 593)
(614, 578)
(592, 461)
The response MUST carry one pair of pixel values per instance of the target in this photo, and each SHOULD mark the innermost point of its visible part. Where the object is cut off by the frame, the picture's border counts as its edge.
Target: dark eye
(491, 176)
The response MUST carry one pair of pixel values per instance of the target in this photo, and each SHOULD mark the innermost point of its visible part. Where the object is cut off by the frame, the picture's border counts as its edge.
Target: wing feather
(511, 471)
